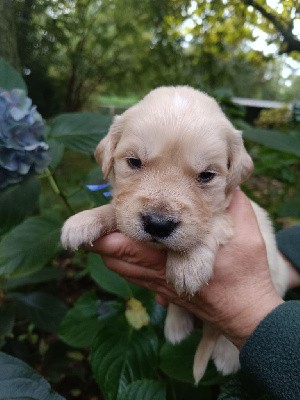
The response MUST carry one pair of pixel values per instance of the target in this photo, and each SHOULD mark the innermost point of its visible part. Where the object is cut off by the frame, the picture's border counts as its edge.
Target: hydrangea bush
(23, 149)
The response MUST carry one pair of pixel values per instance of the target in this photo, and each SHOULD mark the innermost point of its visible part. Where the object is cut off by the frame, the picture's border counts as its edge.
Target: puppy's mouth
(160, 229)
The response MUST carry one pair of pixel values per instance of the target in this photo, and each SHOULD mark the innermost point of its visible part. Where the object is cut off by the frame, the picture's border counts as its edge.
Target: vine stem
(54, 185)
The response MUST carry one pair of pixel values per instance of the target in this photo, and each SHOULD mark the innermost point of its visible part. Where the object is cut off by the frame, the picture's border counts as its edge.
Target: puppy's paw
(178, 325)
(191, 270)
(226, 356)
(81, 228)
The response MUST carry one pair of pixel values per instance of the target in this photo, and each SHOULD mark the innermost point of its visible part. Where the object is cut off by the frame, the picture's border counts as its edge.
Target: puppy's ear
(105, 149)
(240, 164)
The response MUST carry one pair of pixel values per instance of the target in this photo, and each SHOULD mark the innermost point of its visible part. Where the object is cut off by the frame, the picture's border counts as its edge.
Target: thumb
(242, 215)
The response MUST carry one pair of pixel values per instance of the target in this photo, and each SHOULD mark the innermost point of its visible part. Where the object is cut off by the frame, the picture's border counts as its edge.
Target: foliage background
(65, 315)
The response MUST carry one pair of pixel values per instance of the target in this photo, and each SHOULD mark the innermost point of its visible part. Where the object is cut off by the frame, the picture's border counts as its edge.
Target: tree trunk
(8, 36)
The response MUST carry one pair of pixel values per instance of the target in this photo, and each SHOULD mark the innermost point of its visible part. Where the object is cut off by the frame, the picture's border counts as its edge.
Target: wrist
(241, 327)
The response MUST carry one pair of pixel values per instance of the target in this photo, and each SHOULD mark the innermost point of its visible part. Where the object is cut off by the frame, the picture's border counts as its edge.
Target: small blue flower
(23, 149)
(95, 188)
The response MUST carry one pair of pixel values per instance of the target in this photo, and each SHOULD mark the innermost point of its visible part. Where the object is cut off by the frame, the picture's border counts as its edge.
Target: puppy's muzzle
(158, 225)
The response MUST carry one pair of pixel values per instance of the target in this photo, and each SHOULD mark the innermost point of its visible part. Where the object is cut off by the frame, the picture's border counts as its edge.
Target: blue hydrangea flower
(23, 149)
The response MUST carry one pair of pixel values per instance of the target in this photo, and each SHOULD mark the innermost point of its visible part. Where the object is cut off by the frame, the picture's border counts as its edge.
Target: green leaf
(177, 361)
(106, 279)
(17, 202)
(232, 391)
(7, 319)
(80, 131)
(20, 382)
(290, 206)
(9, 77)
(95, 176)
(42, 309)
(121, 355)
(56, 150)
(144, 389)
(29, 246)
(82, 323)
(44, 275)
(273, 139)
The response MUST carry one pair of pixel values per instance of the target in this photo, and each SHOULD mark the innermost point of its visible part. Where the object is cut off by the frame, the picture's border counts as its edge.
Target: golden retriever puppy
(173, 160)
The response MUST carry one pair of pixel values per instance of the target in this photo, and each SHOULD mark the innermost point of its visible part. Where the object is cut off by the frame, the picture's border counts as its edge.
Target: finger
(129, 270)
(239, 203)
(120, 246)
(165, 292)
(242, 215)
(148, 278)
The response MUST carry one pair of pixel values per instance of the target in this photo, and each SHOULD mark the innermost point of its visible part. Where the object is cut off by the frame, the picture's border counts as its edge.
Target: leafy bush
(274, 118)
(113, 330)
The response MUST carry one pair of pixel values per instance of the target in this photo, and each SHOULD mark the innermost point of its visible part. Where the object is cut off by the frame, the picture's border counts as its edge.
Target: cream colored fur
(177, 133)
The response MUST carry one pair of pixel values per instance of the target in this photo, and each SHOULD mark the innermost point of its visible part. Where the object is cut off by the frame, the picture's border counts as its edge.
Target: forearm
(272, 353)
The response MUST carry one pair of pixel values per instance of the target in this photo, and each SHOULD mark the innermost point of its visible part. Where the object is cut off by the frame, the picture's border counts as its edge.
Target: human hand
(236, 299)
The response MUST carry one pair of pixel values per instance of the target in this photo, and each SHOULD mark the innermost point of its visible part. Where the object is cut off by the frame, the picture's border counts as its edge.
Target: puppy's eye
(134, 163)
(206, 176)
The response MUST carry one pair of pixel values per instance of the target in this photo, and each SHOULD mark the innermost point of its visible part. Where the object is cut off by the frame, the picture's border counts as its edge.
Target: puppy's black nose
(158, 225)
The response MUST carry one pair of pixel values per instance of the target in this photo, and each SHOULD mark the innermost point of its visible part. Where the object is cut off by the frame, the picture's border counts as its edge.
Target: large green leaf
(290, 207)
(144, 389)
(20, 382)
(29, 246)
(56, 150)
(42, 309)
(177, 361)
(271, 138)
(108, 280)
(94, 177)
(9, 77)
(7, 319)
(82, 323)
(121, 355)
(44, 275)
(17, 202)
(79, 131)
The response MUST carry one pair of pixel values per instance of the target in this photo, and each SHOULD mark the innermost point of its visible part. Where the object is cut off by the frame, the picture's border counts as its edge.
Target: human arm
(240, 300)
(271, 355)
(241, 292)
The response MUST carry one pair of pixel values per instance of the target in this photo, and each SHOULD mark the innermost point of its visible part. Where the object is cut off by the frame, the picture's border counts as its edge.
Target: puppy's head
(173, 160)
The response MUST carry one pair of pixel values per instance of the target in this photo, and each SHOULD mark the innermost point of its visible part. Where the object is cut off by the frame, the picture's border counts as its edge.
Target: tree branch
(290, 41)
